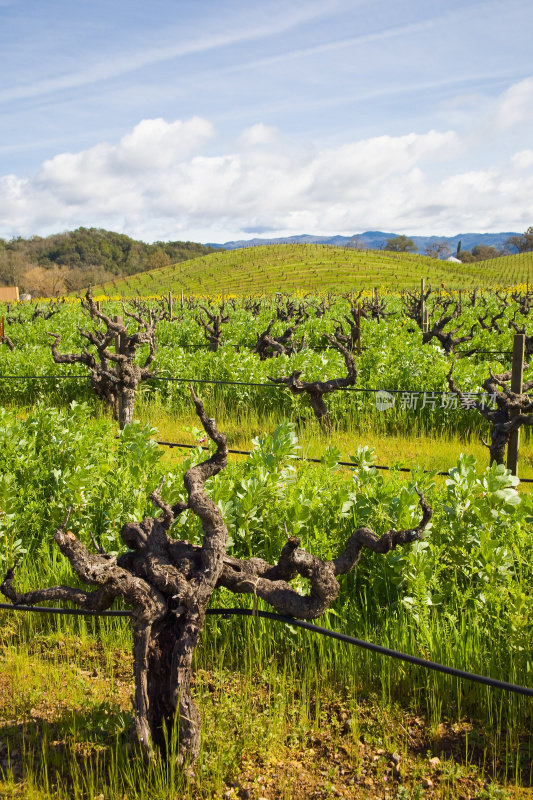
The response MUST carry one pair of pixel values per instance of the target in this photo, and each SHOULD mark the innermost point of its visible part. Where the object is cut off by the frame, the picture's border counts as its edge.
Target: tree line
(480, 252)
(66, 262)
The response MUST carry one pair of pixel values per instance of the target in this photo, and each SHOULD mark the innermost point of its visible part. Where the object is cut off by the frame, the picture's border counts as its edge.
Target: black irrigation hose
(41, 377)
(296, 458)
(376, 648)
(315, 460)
(341, 637)
(76, 612)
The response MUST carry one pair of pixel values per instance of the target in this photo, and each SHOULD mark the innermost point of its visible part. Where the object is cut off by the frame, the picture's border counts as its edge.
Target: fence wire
(271, 385)
(351, 464)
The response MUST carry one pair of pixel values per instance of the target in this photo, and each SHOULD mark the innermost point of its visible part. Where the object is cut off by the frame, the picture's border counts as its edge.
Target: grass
(272, 729)
(315, 268)
(429, 450)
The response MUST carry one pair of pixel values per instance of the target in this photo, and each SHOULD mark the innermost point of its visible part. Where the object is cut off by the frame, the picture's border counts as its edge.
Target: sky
(212, 121)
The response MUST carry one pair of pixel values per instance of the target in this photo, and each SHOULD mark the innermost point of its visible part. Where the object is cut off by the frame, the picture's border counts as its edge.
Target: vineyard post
(182, 299)
(359, 329)
(170, 305)
(423, 313)
(117, 318)
(98, 305)
(1, 327)
(517, 372)
(118, 349)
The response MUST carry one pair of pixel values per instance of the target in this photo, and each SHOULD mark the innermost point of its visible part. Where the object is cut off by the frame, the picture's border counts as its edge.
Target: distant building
(454, 259)
(9, 293)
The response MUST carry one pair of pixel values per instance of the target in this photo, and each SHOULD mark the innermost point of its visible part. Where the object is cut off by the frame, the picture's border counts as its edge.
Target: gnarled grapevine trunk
(316, 390)
(512, 410)
(168, 584)
(165, 678)
(115, 377)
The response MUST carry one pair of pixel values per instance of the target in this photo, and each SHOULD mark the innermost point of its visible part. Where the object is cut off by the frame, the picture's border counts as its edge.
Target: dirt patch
(77, 709)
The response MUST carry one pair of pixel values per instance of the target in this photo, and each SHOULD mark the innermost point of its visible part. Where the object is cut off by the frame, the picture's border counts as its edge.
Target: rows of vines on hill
(315, 268)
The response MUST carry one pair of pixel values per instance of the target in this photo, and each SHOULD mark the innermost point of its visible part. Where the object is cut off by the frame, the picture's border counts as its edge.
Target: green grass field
(316, 268)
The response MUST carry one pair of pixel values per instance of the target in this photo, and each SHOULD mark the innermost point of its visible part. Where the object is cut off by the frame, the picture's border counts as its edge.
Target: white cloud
(259, 134)
(515, 105)
(165, 180)
(522, 160)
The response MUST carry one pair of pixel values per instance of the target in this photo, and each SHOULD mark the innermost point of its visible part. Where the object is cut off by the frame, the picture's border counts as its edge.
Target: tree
(40, 282)
(168, 584)
(158, 259)
(437, 250)
(355, 242)
(115, 376)
(480, 252)
(522, 244)
(484, 252)
(401, 244)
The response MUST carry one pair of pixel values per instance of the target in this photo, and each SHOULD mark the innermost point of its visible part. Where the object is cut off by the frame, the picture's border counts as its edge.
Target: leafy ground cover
(271, 695)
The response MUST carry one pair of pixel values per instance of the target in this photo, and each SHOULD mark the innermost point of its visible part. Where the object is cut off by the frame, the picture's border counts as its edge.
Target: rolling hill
(315, 268)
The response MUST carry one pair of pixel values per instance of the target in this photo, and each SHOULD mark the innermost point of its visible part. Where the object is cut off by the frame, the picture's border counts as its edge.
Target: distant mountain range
(376, 240)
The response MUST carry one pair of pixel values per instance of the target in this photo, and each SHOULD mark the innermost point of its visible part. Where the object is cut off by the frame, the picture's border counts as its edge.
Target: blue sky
(211, 121)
